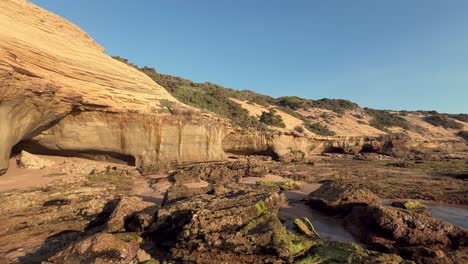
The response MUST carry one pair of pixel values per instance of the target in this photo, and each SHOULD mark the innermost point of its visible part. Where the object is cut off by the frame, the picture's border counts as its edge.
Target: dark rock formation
(221, 172)
(413, 235)
(237, 223)
(336, 197)
(100, 248)
(124, 209)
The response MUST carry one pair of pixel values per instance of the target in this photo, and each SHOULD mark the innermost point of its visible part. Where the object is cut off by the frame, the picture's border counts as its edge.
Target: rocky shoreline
(205, 213)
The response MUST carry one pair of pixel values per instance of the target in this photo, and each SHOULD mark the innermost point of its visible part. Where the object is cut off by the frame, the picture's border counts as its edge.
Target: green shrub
(463, 134)
(299, 129)
(292, 102)
(272, 119)
(442, 121)
(206, 96)
(382, 119)
(460, 117)
(338, 106)
(319, 129)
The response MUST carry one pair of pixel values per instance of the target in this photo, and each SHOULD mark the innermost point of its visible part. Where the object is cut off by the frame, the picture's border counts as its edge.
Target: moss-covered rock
(413, 205)
(420, 236)
(338, 252)
(337, 197)
(305, 226)
(284, 185)
(241, 222)
(100, 248)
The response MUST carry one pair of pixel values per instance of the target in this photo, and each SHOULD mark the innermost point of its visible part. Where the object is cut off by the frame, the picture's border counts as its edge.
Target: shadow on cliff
(57, 242)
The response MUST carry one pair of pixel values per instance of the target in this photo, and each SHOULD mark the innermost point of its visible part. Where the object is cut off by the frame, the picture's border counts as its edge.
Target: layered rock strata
(61, 90)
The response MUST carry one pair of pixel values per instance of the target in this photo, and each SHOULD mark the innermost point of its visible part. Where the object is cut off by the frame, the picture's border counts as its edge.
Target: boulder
(181, 177)
(221, 172)
(127, 206)
(30, 161)
(414, 235)
(140, 221)
(414, 206)
(238, 223)
(336, 197)
(179, 192)
(338, 252)
(99, 249)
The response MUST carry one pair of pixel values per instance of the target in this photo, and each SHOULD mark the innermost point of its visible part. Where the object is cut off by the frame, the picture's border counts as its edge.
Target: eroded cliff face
(53, 74)
(280, 144)
(149, 139)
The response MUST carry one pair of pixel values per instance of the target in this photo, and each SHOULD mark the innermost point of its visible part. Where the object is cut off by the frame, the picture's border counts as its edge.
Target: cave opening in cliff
(367, 148)
(335, 150)
(107, 156)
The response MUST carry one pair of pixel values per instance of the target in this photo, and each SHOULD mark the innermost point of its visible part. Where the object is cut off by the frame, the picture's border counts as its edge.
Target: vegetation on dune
(215, 98)
(463, 134)
(292, 102)
(299, 129)
(338, 106)
(442, 121)
(319, 129)
(272, 119)
(460, 117)
(382, 120)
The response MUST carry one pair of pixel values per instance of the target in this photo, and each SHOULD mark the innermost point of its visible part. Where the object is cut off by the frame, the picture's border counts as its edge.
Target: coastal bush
(463, 134)
(299, 129)
(292, 102)
(382, 119)
(272, 119)
(338, 106)
(442, 121)
(460, 117)
(319, 129)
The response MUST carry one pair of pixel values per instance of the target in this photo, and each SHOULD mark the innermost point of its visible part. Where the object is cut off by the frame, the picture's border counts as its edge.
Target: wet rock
(242, 222)
(414, 206)
(338, 252)
(335, 197)
(56, 202)
(283, 185)
(179, 192)
(100, 248)
(96, 168)
(142, 256)
(293, 156)
(182, 177)
(140, 221)
(305, 226)
(30, 161)
(222, 172)
(396, 230)
(127, 206)
(402, 164)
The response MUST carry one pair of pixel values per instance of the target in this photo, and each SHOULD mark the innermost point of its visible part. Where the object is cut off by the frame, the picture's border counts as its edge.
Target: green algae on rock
(338, 252)
(305, 226)
(284, 185)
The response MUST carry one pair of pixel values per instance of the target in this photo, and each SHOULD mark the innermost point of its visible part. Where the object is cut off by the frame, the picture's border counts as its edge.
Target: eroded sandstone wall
(281, 144)
(53, 74)
(150, 139)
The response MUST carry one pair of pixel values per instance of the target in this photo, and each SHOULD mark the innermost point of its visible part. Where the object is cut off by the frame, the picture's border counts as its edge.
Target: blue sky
(396, 54)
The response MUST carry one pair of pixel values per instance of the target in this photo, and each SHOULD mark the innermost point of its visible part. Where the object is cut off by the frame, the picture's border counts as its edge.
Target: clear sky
(394, 54)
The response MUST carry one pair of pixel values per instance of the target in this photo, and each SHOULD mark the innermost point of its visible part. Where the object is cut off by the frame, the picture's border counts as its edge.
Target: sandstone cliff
(53, 75)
